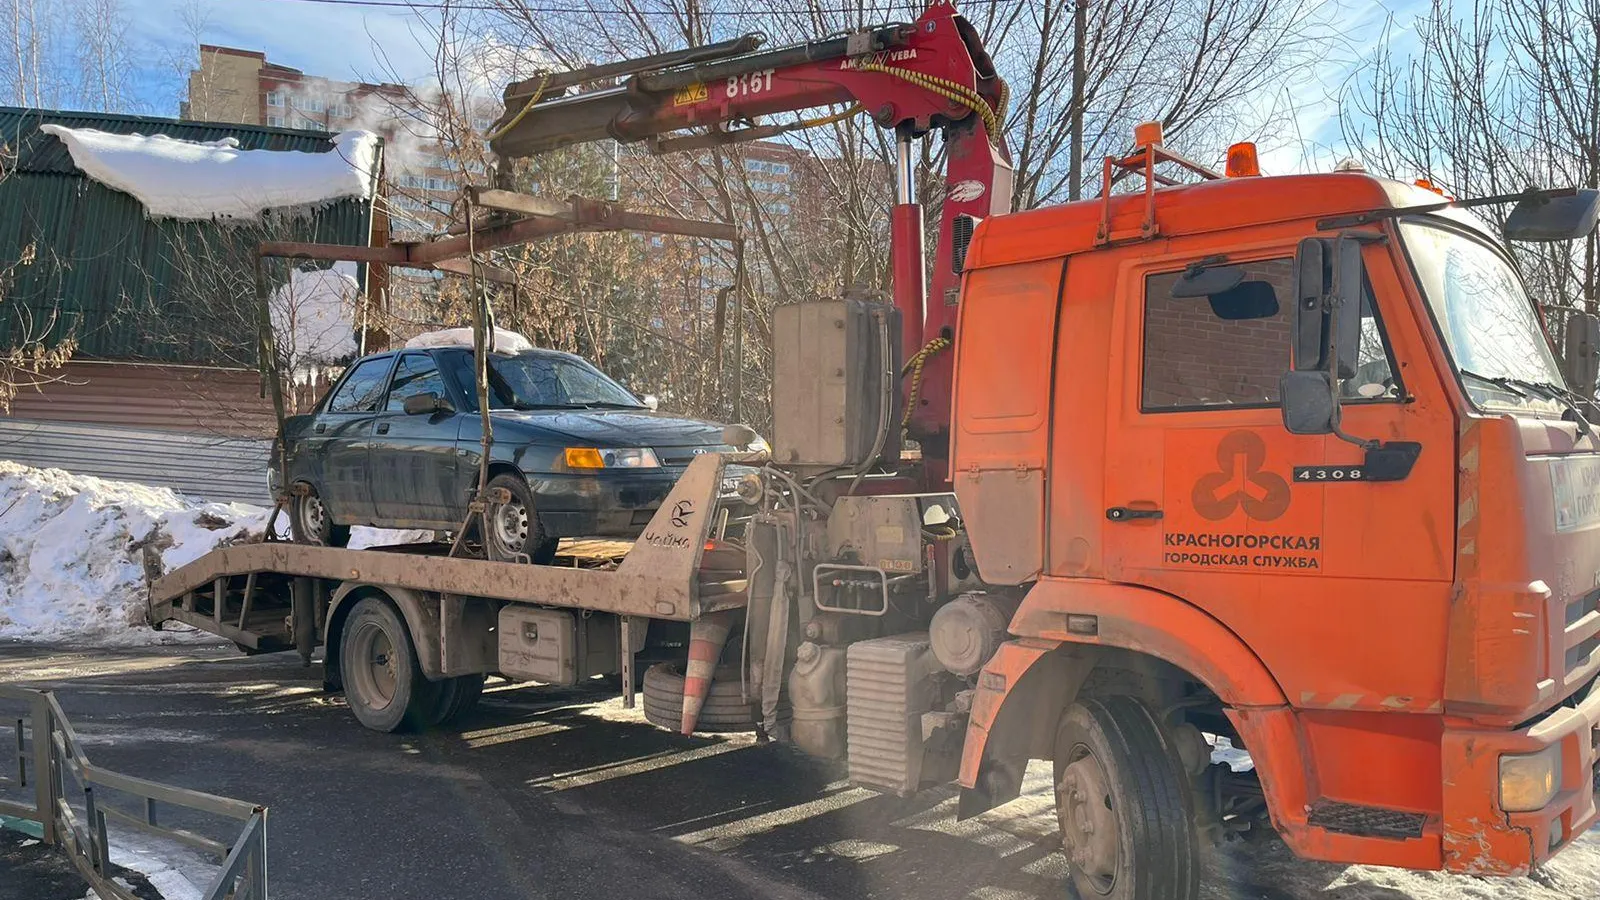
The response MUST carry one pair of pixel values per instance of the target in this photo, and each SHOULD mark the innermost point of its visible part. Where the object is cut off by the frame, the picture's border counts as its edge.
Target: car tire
(512, 531)
(383, 681)
(311, 522)
(724, 712)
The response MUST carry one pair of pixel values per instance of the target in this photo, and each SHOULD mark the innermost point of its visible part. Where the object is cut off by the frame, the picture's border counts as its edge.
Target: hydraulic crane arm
(929, 75)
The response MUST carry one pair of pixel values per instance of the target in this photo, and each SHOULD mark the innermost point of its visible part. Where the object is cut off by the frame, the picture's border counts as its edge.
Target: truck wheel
(1123, 804)
(383, 682)
(512, 530)
(457, 697)
(724, 712)
(310, 522)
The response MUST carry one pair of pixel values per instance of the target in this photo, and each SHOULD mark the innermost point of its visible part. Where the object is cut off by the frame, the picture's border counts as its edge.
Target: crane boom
(929, 75)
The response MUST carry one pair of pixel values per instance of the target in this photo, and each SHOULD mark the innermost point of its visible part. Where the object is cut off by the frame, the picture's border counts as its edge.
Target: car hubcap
(312, 515)
(377, 674)
(1088, 821)
(510, 528)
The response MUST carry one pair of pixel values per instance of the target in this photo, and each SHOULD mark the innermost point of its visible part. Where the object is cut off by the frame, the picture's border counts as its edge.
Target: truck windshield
(1489, 324)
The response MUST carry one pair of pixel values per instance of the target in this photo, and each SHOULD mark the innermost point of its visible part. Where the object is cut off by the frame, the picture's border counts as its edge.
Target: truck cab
(1412, 577)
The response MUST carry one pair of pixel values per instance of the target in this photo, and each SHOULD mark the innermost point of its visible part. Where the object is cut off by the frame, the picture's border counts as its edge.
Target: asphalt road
(562, 793)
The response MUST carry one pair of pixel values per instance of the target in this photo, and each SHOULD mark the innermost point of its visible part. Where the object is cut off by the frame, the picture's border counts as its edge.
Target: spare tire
(724, 711)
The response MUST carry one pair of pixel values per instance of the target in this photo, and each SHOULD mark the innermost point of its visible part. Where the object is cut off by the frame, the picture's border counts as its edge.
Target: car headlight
(759, 445)
(1529, 781)
(587, 458)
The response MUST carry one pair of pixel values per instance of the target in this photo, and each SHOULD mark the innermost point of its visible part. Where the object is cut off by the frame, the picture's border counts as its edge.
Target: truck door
(341, 435)
(413, 457)
(1280, 536)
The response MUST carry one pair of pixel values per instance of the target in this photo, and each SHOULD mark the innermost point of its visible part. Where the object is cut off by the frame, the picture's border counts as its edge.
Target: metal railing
(50, 761)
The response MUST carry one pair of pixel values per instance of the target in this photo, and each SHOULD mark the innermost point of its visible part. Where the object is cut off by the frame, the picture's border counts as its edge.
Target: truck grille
(1582, 632)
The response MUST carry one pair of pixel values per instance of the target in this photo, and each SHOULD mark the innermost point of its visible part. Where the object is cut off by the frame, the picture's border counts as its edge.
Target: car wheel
(310, 521)
(512, 530)
(383, 682)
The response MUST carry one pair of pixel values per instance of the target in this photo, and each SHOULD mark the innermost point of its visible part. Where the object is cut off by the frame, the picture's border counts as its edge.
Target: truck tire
(311, 522)
(383, 682)
(457, 697)
(725, 712)
(512, 530)
(1123, 804)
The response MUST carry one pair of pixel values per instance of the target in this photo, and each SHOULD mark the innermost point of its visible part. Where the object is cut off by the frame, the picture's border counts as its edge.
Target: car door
(342, 432)
(413, 457)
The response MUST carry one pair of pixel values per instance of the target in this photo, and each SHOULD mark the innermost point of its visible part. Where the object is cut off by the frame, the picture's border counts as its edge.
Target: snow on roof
(313, 315)
(505, 341)
(179, 179)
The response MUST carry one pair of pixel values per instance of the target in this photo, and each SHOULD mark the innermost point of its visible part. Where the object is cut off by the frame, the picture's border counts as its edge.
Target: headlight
(759, 445)
(1529, 781)
(611, 458)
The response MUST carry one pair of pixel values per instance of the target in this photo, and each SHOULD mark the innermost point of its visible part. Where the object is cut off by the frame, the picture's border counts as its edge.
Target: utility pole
(1080, 29)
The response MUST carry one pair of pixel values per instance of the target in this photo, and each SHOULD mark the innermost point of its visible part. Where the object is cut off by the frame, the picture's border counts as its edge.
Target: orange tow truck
(1285, 460)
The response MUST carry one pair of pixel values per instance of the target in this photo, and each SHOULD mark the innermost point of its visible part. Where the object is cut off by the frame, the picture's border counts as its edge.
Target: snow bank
(505, 341)
(75, 551)
(313, 316)
(215, 179)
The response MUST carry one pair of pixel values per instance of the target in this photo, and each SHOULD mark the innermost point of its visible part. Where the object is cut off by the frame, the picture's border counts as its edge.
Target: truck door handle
(1124, 513)
(383, 427)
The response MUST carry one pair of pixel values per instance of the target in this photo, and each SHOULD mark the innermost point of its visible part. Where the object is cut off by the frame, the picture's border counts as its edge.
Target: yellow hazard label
(694, 93)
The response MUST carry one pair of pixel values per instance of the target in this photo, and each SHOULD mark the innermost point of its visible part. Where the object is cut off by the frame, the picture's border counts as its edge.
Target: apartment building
(423, 179)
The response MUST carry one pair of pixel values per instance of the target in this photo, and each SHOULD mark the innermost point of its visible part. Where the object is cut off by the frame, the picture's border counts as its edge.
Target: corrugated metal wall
(127, 287)
(208, 402)
(220, 469)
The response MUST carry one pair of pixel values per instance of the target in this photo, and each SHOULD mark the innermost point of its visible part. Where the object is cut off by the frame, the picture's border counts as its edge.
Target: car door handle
(383, 427)
(1124, 514)
(321, 427)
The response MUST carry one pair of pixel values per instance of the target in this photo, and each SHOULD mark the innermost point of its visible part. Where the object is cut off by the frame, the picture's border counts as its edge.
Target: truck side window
(363, 388)
(1204, 352)
(1375, 378)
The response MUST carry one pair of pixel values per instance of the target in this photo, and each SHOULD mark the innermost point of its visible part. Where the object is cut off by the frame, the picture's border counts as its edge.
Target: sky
(376, 44)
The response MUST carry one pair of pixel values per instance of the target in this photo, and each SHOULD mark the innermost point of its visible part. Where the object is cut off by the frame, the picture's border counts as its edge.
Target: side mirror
(425, 404)
(651, 402)
(1310, 404)
(1581, 353)
(1329, 285)
(1546, 218)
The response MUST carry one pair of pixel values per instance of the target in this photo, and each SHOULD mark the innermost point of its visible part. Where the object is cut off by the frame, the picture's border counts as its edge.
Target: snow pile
(313, 316)
(505, 341)
(215, 179)
(75, 551)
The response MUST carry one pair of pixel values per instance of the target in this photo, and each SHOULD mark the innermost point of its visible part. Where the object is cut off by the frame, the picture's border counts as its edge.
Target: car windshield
(1489, 324)
(547, 381)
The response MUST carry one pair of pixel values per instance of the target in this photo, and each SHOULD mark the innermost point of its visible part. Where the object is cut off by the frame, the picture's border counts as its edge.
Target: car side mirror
(652, 402)
(426, 404)
(1561, 218)
(1310, 403)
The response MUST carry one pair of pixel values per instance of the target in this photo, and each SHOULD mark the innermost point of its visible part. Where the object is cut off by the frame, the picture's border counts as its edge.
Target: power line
(581, 10)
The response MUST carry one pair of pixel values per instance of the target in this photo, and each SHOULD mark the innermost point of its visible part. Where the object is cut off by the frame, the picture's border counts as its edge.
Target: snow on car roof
(180, 179)
(505, 340)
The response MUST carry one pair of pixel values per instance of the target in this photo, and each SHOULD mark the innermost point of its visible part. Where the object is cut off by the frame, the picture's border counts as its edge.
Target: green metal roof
(126, 286)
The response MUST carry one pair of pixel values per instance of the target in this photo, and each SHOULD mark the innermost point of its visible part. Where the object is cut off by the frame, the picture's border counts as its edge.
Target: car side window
(363, 388)
(415, 375)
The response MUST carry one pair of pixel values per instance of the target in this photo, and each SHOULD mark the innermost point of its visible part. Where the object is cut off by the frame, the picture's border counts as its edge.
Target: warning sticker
(690, 94)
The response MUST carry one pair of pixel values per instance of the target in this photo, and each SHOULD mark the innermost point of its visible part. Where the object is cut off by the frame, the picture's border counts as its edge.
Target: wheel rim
(376, 668)
(508, 527)
(1088, 819)
(313, 515)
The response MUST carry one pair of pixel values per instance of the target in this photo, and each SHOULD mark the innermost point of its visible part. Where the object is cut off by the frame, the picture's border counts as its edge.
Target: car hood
(611, 427)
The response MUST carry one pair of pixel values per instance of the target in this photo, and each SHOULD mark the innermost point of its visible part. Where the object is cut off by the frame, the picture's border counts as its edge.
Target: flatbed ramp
(243, 592)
